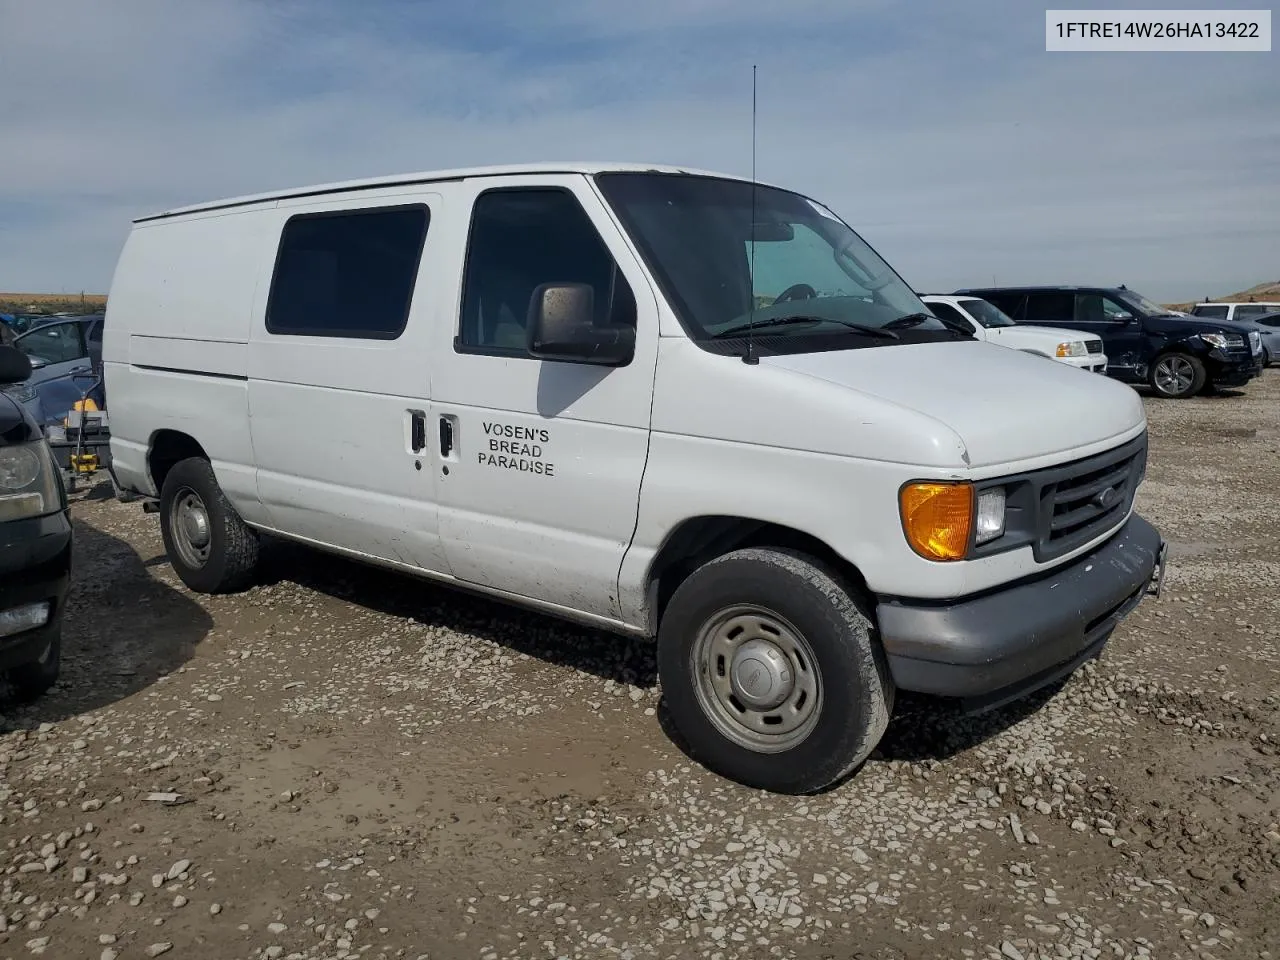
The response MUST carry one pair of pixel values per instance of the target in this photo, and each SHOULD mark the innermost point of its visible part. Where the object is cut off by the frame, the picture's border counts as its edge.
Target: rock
(215, 909)
(277, 928)
(1201, 872)
(178, 869)
(1010, 951)
(109, 954)
(158, 949)
(179, 902)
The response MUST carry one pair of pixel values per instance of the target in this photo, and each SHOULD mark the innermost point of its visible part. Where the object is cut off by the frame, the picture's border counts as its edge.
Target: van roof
(462, 173)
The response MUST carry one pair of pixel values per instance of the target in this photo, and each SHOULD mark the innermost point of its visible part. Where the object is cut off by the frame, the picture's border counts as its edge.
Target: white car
(673, 404)
(1236, 311)
(987, 322)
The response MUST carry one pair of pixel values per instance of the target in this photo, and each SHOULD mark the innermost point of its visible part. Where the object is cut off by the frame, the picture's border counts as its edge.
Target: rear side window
(521, 238)
(1050, 308)
(347, 273)
(1250, 311)
(1217, 312)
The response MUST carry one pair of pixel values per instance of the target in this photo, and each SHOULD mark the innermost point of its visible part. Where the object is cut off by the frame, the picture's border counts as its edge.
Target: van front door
(540, 462)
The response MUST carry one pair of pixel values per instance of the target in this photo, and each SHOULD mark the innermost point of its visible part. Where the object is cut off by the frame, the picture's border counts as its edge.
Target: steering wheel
(797, 291)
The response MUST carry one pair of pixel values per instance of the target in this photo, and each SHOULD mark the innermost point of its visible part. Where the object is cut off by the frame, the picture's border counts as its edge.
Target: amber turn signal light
(937, 518)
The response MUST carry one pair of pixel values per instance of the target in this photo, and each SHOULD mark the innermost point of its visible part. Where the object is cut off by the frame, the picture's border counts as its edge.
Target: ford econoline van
(658, 401)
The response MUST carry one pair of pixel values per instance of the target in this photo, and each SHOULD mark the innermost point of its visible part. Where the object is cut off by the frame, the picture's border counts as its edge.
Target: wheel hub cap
(761, 675)
(195, 524)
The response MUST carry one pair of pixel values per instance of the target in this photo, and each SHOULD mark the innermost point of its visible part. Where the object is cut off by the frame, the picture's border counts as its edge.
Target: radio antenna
(749, 356)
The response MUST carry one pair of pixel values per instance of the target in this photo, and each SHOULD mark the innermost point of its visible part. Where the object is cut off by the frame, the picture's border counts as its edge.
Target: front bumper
(1093, 362)
(1003, 645)
(35, 566)
(1232, 369)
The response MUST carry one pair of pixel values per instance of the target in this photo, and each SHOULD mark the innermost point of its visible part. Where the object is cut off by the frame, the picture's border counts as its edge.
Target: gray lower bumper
(1003, 645)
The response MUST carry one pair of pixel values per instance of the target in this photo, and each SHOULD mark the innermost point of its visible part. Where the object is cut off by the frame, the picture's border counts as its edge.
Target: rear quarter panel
(174, 343)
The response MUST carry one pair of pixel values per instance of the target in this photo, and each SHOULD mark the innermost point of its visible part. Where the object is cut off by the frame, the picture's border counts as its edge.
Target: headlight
(1073, 348)
(1222, 340)
(990, 519)
(29, 485)
(22, 392)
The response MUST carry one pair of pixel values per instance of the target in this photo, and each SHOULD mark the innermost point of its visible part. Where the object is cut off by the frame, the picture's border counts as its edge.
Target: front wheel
(771, 673)
(1177, 376)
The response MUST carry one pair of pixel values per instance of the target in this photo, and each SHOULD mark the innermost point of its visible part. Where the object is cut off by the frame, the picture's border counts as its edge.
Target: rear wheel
(771, 673)
(1177, 376)
(32, 680)
(211, 549)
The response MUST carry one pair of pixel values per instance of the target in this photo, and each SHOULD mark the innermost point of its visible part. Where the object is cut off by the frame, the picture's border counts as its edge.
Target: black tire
(1186, 375)
(855, 691)
(33, 680)
(229, 558)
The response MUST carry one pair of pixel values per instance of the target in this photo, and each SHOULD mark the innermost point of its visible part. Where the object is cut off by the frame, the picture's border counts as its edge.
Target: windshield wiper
(910, 320)
(740, 329)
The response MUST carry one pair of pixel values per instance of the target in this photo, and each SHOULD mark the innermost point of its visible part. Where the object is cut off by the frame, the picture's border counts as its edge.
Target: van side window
(347, 273)
(521, 238)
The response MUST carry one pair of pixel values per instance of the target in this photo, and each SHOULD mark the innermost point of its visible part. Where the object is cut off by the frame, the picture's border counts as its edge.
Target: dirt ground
(369, 766)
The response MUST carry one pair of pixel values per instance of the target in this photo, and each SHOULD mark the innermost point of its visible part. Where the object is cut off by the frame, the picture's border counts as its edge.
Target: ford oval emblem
(1106, 497)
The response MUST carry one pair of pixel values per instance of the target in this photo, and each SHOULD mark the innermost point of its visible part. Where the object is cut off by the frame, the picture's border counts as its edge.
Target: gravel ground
(346, 763)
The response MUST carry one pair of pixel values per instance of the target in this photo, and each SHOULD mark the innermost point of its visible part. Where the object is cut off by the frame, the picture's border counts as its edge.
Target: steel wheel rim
(190, 529)
(1175, 375)
(738, 660)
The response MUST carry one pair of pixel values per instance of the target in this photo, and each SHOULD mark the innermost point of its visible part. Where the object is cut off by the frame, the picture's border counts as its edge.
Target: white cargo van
(659, 401)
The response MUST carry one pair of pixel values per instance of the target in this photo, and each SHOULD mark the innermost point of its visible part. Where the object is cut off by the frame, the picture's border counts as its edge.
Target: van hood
(1005, 405)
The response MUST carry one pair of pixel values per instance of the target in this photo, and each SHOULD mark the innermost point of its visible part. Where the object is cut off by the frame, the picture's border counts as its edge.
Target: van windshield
(799, 271)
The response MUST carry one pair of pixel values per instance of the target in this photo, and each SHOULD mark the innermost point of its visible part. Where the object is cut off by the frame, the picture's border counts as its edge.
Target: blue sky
(942, 131)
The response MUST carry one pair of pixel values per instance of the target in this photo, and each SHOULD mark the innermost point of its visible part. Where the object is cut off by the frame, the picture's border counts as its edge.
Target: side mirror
(15, 367)
(562, 327)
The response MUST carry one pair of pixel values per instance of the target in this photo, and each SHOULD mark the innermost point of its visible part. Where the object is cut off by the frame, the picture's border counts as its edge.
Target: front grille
(1080, 501)
(1094, 346)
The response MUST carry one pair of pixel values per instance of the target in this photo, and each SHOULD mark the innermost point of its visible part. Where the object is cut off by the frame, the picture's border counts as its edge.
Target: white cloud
(944, 133)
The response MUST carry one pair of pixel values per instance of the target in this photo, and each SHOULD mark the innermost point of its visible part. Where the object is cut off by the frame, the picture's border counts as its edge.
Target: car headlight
(1073, 348)
(990, 515)
(938, 517)
(21, 392)
(1222, 340)
(29, 485)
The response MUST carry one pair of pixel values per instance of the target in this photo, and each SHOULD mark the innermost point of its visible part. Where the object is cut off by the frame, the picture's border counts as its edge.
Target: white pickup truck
(986, 321)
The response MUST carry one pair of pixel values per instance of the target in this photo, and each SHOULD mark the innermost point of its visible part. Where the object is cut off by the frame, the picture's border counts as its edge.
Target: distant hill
(51, 302)
(1263, 291)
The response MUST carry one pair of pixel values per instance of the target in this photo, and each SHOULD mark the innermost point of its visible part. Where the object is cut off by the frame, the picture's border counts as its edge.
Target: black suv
(35, 543)
(1176, 354)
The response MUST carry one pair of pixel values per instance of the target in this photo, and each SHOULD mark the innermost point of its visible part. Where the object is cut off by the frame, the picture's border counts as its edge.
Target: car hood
(1030, 334)
(1006, 406)
(1190, 326)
